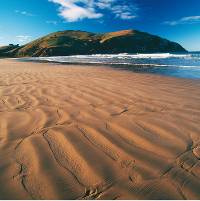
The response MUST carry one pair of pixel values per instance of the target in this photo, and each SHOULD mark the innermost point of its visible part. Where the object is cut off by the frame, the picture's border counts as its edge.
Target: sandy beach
(84, 132)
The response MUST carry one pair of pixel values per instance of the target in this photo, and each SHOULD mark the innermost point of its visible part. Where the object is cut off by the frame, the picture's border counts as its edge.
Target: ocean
(167, 64)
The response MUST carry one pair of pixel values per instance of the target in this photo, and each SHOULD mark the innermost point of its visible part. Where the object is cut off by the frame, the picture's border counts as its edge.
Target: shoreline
(97, 133)
(139, 68)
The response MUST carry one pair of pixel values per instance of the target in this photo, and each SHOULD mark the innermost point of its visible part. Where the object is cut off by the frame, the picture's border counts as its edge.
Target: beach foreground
(79, 132)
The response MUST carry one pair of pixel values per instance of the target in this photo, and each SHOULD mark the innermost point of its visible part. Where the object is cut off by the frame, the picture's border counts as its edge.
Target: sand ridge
(80, 132)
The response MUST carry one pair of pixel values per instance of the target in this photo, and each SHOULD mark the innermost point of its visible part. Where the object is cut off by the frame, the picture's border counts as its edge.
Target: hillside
(9, 50)
(80, 42)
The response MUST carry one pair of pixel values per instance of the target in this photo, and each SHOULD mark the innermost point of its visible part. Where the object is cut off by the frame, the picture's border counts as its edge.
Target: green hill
(79, 42)
(6, 51)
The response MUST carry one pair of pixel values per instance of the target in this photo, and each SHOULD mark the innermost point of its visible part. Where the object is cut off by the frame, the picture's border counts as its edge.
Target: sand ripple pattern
(97, 133)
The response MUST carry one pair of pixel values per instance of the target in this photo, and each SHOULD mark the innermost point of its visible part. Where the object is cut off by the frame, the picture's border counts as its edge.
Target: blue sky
(24, 20)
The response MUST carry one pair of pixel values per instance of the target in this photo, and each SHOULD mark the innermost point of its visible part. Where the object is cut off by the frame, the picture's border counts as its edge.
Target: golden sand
(79, 132)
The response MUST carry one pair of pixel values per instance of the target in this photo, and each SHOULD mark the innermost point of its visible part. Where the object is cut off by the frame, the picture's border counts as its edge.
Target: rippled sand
(97, 133)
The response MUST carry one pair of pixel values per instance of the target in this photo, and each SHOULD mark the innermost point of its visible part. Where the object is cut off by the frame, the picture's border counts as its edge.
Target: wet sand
(80, 132)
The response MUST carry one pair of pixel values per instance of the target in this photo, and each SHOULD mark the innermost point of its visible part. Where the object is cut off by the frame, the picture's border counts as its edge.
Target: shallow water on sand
(177, 65)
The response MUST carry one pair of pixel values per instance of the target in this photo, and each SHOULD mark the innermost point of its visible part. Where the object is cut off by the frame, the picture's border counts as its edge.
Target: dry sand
(97, 133)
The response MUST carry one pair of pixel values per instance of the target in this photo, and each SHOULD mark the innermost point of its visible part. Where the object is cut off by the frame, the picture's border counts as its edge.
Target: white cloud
(24, 13)
(71, 11)
(52, 22)
(104, 4)
(23, 38)
(184, 20)
(75, 10)
(125, 12)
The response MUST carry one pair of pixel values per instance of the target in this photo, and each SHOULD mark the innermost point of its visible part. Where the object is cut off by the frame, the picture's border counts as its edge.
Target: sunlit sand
(79, 132)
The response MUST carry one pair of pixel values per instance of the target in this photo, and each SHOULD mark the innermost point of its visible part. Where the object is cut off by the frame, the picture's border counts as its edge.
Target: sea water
(178, 65)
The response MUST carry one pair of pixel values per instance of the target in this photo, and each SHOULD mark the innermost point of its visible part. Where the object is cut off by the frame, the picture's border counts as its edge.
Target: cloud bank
(75, 10)
(184, 20)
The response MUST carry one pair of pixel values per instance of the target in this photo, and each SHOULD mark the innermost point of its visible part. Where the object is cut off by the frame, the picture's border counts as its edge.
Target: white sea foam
(117, 56)
(140, 56)
(179, 65)
(127, 59)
